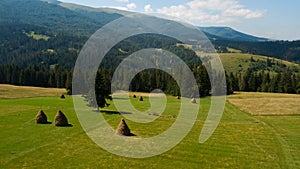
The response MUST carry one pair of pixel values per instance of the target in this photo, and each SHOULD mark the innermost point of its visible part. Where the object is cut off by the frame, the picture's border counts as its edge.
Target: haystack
(123, 129)
(41, 118)
(193, 100)
(141, 98)
(62, 96)
(61, 119)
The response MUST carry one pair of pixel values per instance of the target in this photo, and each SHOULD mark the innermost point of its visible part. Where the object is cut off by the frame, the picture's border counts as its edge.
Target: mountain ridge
(77, 20)
(231, 34)
(216, 32)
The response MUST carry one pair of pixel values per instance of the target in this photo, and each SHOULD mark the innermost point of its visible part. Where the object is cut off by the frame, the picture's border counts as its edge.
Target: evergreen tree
(98, 99)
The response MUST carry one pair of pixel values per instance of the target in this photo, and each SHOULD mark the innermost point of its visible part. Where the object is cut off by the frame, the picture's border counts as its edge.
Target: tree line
(265, 81)
(36, 75)
(285, 50)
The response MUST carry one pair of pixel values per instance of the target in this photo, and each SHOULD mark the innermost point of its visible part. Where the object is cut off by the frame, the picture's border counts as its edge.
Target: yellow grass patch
(266, 103)
(11, 91)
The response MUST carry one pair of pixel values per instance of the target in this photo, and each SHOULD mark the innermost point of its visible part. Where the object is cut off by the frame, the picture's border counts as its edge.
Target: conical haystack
(193, 100)
(60, 119)
(141, 98)
(41, 118)
(123, 129)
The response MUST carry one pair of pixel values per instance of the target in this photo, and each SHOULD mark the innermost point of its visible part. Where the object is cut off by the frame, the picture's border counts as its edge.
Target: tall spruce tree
(97, 98)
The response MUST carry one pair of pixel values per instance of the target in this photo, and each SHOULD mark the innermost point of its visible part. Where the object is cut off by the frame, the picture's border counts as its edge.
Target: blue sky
(275, 19)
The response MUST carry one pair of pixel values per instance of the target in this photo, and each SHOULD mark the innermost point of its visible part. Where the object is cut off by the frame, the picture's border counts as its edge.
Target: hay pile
(141, 98)
(193, 100)
(123, 129)
(41, 118)
(61, 120)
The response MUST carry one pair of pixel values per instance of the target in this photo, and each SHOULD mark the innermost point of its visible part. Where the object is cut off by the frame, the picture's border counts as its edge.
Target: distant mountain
(75, 23)
(231, 34)
(48, 14)
(52, 1)
(76, 7)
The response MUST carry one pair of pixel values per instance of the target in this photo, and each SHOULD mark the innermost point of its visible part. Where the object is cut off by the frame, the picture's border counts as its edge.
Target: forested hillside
(285, 50)
(40, 42)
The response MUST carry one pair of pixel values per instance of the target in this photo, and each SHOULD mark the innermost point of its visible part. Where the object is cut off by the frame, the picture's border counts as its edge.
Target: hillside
(240, 62)
(231, 34)
(47, 15)
(284, 50)
(81, 21)
(40, 42)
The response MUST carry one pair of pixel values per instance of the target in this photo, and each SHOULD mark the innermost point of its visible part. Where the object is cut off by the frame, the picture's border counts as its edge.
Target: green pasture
(240, 141)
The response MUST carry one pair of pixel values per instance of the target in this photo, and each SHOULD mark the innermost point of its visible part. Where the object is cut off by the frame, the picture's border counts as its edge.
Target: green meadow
(240, 62)
(242, 140)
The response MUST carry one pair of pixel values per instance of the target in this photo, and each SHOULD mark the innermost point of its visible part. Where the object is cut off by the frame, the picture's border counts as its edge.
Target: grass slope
(240, 62)
(240, 141)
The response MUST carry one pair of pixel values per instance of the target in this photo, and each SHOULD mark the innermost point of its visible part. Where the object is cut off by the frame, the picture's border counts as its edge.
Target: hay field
(266, 103)
(11, 91)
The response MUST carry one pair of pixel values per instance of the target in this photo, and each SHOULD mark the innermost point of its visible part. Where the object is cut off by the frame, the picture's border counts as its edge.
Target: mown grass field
(242, 140)
(267, 103)
(10, 91)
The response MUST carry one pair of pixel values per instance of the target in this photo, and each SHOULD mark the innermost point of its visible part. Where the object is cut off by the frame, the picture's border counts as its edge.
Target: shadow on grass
(68, 125)
(45, 123)
(130, 135)
(112, 112)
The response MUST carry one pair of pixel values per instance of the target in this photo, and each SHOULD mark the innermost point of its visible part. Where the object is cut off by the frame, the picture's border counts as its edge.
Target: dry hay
(193, 100)
(61, 120)
(62, 96)
(123, 129)
(141, 98)
(266, 103)
(41, 118)
(12, 92)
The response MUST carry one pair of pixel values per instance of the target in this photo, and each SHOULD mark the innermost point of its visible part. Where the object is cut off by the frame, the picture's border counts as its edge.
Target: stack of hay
(41, 118)
(62, 96)
(61, 120)
(123, 129)
(193, 100)
(141, 98)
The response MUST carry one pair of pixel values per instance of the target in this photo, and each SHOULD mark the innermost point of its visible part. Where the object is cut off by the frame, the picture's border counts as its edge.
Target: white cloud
(211, 11)
(131, 6)
(148, 8)
(122, 1)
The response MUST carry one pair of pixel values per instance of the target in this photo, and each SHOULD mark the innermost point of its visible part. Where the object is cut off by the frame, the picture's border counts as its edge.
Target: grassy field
(242, 140)
(38, 36)
(237, 62)
(240, 62)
